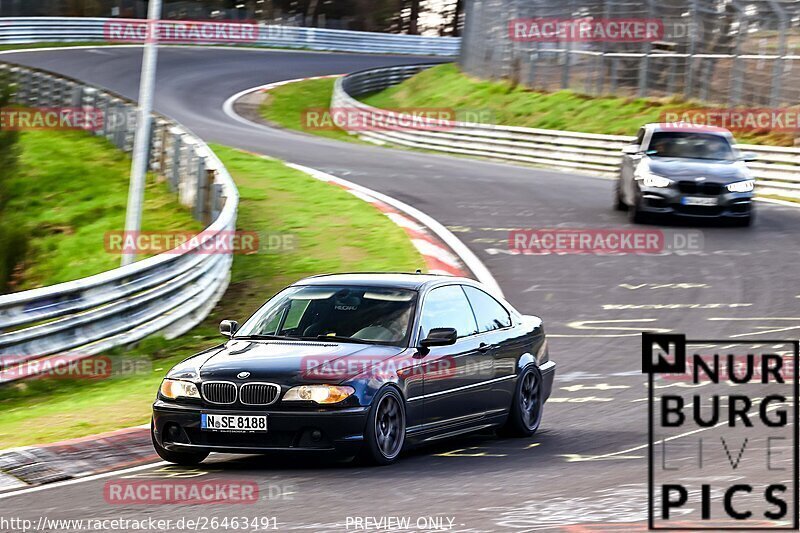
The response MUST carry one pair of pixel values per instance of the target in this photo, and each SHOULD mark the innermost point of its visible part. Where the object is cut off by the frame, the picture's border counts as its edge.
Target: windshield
(691, 145)
(372, 315)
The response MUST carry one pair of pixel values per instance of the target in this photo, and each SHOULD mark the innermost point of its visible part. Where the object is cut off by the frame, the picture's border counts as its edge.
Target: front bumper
(340, 431)
(669, 201)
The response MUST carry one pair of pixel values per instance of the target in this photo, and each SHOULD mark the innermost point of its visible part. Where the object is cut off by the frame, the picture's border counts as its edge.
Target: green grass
(445, 86)
(33, 46)
(333, 231)
(72, 188)
(286, 106)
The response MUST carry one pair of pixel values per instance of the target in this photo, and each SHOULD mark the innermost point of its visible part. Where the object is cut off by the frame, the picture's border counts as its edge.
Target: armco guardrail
(168, 293)
(777, 170)
(62, 29)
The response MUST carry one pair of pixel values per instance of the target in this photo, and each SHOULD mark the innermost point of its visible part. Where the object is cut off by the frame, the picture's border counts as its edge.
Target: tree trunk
(413, 18)
(456, 31)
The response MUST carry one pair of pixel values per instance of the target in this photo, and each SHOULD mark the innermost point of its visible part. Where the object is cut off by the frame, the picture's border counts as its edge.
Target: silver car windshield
(359, 314)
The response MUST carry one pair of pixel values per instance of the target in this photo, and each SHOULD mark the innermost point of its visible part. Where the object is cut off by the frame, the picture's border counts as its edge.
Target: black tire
(619, 204)
(178, 458)
(743, 222)
(635, 215)
(385, 434)
(528, 404)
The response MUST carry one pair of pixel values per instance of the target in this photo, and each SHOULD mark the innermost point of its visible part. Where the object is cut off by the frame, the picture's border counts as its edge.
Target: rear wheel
(385, 434)
(526, 411)
(178, 458)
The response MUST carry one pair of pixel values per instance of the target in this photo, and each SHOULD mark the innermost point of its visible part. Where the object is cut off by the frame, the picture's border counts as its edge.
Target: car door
(495, 329)
(453, 391)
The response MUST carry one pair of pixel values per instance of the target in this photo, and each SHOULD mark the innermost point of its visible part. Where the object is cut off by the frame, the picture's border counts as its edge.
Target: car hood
(719, 171)
(290, 362)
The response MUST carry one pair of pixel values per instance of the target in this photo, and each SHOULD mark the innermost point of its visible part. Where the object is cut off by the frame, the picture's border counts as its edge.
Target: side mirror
(631, 149)
(748, 156)
(440, 337)
(228, 328)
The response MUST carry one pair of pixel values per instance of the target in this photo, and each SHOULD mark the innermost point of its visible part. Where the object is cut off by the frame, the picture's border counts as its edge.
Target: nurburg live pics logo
(722, 441)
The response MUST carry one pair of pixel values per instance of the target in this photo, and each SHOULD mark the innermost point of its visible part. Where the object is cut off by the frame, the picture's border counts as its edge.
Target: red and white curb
(32, 466)
(438, 257)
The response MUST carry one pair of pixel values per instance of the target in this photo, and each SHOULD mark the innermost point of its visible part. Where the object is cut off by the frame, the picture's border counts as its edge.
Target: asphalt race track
(589, 458)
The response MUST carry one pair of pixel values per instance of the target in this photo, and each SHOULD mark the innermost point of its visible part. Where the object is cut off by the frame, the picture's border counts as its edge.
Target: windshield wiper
(266, 338)
(340, 338)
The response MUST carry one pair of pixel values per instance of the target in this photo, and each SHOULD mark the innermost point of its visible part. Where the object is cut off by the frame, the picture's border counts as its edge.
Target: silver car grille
(226, 393)
(258, 393)
(219, 392)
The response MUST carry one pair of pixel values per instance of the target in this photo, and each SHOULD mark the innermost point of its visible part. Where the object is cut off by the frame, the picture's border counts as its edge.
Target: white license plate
(237, 423)
(698, 200)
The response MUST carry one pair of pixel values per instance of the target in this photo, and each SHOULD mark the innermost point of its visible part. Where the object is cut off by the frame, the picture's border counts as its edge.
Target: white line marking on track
(82, 480)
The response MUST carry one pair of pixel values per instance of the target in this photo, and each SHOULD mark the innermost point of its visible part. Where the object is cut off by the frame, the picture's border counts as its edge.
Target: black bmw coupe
(359, 364)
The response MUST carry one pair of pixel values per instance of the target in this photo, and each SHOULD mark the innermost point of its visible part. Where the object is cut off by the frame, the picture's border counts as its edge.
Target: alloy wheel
(530, 400)
(389, 426)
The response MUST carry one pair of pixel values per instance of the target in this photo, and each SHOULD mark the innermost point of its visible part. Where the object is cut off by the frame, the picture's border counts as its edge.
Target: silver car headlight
(742, 186)
(654, 180)
(175, 388)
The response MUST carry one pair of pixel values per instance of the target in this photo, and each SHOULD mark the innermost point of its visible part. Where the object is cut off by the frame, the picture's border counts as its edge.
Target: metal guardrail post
(201, 191)
(175, 170)
(217, 200)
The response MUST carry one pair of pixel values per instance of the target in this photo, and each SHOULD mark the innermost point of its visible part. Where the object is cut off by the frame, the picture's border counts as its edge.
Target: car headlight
(174, 389)
(742, 186)
(318, 393)
(654, 180)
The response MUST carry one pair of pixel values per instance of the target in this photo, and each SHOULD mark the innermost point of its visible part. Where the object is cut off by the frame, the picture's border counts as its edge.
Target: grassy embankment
(446, 86)
(333, 231)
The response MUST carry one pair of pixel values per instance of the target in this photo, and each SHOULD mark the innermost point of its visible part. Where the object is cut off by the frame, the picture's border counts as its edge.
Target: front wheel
(178, 458)
(744, 222)
(619, 203)
(385, 434)
(526, 411)
(635, 214)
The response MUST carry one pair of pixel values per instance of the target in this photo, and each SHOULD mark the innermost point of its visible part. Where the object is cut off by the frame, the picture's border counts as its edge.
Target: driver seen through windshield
(358, 314)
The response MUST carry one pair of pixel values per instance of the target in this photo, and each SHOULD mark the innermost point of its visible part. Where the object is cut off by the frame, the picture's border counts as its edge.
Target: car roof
(399, 280)
(686, 126)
